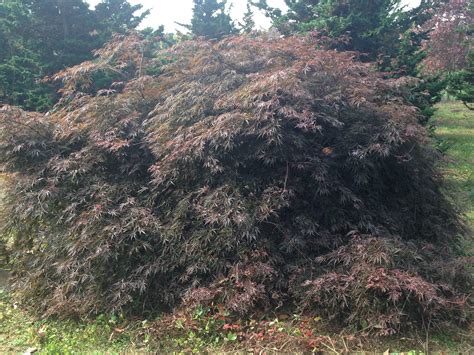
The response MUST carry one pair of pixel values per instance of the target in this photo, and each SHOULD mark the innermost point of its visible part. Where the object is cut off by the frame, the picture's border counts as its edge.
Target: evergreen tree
(248, 24)
(461, 83)
(299, 12)
(412, 35)
(370, 25)
(118, 16)
(382, 30)
(65, 32)
(41, 37)
(211, 19)
(20, 66)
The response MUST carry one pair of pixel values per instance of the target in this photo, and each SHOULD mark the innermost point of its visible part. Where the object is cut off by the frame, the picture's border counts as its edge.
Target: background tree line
(41, 37)
(432, 41)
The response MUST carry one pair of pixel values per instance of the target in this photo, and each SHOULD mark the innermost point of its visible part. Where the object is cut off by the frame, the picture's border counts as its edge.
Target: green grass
(20, 331)
(455, 131)
(111, 334)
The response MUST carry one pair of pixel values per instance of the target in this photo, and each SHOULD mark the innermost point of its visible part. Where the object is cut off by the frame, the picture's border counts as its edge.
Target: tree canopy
(20, 65)
(211, 19)
(41, 37)
(370, 27)
(248, 22)
(450, 47)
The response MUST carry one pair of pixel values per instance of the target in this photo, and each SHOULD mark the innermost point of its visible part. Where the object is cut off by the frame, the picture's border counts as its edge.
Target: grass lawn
(455, 130)
(19, 331)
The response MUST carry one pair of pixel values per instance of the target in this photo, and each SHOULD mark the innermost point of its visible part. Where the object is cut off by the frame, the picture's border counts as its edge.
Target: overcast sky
(167, 12)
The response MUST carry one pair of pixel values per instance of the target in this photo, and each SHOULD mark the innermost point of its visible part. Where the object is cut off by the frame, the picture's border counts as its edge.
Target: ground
(454, 129)
(21, 332)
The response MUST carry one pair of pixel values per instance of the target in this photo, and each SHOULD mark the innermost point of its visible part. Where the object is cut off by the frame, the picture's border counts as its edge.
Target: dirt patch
(4, 280)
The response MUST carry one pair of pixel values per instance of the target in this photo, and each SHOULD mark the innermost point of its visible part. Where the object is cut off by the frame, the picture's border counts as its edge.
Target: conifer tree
(20, 66)
(40, 37)
(248, 24)
(63, 33)
(383, 31)
(211, 19)
(118, 16)
(370, 25)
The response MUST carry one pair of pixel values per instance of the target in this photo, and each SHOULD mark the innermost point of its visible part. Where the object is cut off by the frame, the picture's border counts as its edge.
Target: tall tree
(40, 37)
(412, 34)
(118, 16)
(450, 36)
(383, 30)
(20, 66)
(211, 19)
(370, 25)
(65, 32)
(450, 48)
(248, 22)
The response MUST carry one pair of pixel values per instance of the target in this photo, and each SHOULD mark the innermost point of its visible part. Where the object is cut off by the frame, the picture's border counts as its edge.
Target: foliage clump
(250, 173)
(450, 48)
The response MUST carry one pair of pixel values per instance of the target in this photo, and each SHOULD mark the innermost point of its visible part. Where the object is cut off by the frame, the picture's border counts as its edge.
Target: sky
(168, 12)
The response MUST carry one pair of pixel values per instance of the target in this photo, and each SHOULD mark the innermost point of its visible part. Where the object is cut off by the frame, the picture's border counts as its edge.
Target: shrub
(383, 284)
(243, 173)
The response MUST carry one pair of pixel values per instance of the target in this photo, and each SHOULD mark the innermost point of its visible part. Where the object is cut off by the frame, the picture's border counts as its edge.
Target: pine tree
(20, 66)
(65, 32)
(40, 37)
(370, 25)
(248, 24)
(211, 19)
(118, 16)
